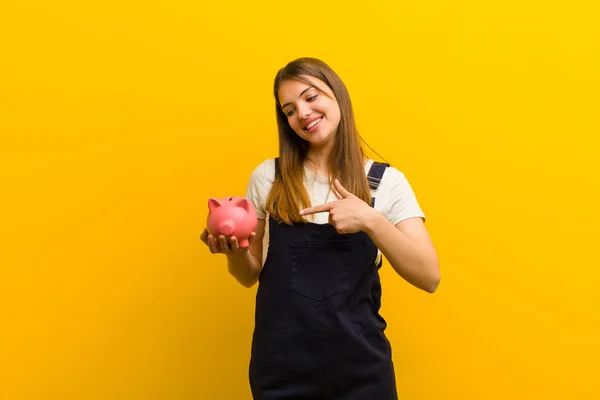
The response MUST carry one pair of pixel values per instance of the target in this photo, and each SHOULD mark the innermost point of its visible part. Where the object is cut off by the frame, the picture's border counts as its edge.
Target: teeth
(313, 123)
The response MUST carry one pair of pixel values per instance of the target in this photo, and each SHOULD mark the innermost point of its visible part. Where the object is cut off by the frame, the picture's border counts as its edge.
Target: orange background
(118, 120)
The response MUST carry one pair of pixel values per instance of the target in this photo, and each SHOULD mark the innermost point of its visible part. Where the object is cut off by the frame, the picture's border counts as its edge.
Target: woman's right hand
(225, 245)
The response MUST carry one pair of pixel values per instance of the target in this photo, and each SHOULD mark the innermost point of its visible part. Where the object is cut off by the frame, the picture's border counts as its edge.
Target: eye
(289, 112)
(312, 98)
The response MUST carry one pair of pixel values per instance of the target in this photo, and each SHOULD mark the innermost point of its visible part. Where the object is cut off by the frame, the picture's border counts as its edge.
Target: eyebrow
(304, 91)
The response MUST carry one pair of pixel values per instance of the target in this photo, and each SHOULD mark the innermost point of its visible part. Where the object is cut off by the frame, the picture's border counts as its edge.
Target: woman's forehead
(291, 89)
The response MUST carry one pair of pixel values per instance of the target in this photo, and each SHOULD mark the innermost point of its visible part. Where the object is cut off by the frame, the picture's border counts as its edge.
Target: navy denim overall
(318, 333)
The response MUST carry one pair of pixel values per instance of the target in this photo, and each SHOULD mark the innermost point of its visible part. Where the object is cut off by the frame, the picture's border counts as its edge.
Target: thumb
(342, 190)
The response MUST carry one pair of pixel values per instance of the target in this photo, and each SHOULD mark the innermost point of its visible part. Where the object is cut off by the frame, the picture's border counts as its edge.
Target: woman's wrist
(372, 220)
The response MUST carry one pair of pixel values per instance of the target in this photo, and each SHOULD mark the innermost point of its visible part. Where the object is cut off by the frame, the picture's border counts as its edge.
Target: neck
(317, 160)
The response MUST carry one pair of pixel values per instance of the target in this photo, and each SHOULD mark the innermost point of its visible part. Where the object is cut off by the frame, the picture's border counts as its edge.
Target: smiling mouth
(313, 124)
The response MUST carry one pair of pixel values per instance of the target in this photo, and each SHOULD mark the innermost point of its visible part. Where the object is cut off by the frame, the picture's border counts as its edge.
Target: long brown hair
(346, 161)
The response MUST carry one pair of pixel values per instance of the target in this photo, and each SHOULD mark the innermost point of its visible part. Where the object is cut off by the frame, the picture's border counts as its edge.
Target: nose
(304, 111)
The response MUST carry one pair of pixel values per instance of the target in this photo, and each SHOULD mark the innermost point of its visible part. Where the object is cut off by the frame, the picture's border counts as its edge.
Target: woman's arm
(408, 248)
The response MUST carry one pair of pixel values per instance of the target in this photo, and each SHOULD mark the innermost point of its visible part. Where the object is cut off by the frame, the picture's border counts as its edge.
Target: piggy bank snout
(226, 227)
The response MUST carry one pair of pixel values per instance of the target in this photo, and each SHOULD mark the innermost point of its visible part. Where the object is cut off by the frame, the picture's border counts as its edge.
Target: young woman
(326, 215)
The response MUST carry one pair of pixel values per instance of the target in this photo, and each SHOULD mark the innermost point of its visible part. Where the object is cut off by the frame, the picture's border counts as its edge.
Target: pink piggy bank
(231, 216)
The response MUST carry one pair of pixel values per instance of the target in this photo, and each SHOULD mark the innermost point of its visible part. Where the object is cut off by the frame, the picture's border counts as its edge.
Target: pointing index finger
(318, 209)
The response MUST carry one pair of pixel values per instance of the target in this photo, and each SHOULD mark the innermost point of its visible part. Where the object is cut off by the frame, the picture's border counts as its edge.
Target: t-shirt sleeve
(259, 186)
(403, 203)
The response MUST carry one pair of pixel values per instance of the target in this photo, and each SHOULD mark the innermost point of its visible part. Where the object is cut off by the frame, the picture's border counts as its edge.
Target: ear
(213, 204)
(243, 203)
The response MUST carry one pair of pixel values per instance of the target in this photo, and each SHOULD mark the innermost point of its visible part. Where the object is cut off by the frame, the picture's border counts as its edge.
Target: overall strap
(374, 176)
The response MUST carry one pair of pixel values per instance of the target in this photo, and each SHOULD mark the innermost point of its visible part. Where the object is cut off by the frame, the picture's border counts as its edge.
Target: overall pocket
(319, 269)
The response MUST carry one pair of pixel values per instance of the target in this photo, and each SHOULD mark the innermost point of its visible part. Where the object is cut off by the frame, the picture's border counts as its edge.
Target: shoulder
(264, 171)
(395, 197)
(262, 177)
(259, 185)
(395, 183)
(391, 175)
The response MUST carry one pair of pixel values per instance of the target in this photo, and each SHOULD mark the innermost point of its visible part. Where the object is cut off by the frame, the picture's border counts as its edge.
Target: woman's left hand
(347, 215)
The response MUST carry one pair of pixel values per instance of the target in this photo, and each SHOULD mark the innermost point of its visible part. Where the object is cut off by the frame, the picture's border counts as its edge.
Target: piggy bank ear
(243, 203)
(213, 204)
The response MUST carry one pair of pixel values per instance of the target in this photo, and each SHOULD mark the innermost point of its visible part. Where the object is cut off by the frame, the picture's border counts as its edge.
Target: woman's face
(313, 114)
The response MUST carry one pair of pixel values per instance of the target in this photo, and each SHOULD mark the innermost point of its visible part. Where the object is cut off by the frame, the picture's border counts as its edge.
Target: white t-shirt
(394, 197)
